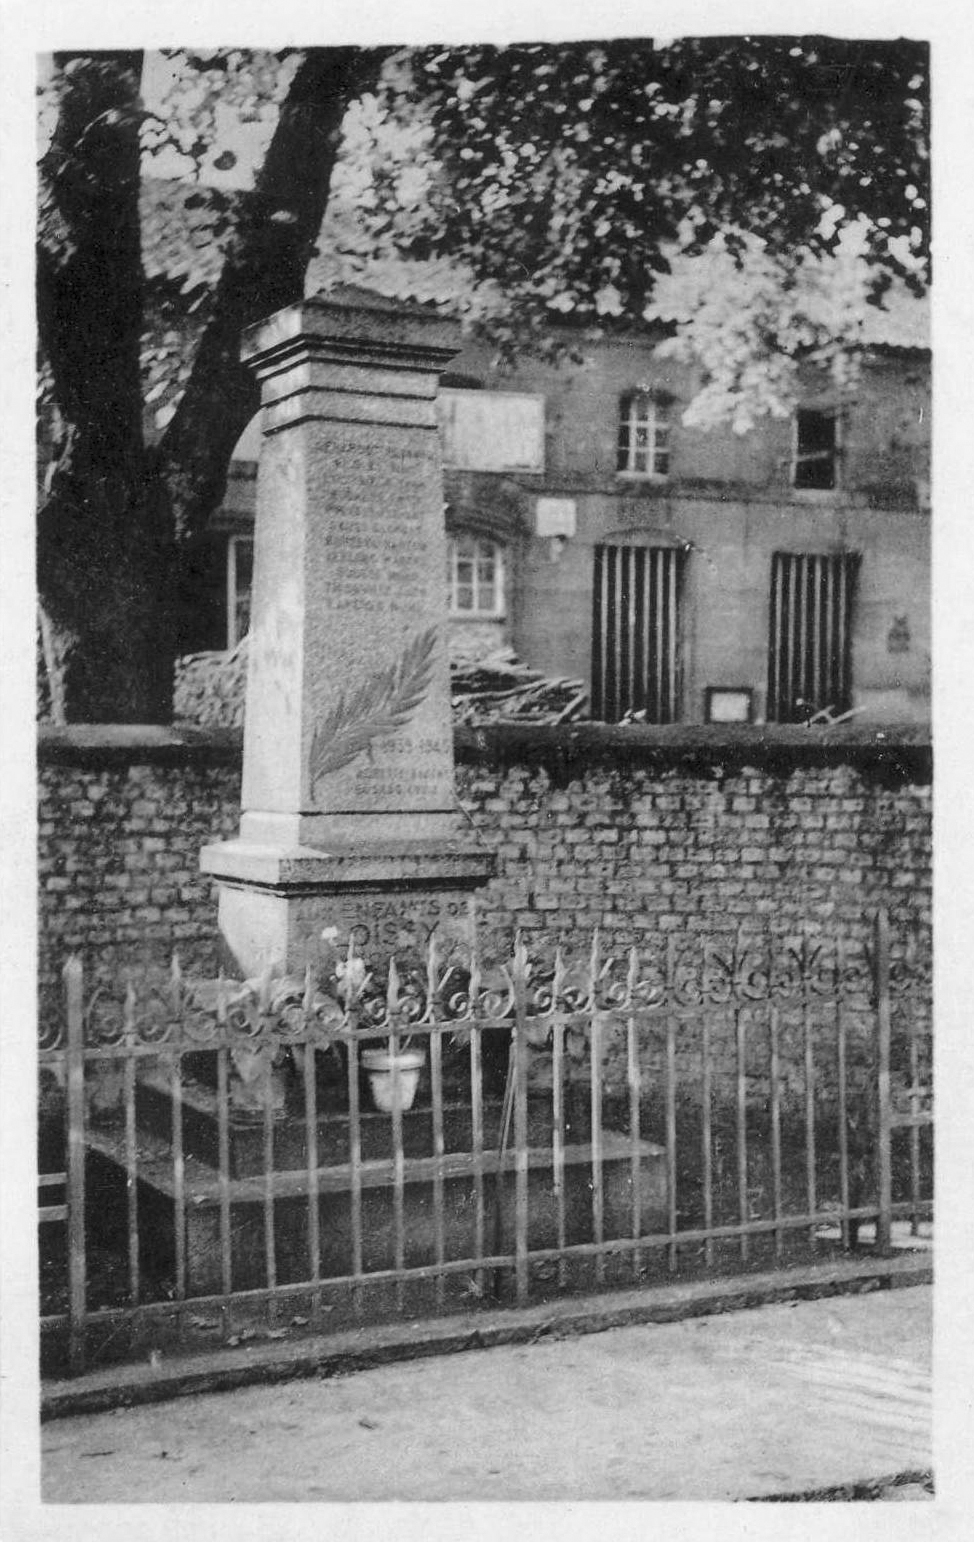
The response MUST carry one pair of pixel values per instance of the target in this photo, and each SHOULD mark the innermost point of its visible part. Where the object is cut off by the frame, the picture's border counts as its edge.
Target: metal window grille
(635, 631)
(809, 653)
(644, 436)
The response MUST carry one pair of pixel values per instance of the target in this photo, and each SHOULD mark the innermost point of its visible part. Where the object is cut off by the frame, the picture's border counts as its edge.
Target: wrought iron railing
(583, 1119)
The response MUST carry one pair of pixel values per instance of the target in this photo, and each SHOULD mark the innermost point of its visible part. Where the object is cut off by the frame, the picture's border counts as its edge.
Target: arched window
(475, 575)
(644, 435)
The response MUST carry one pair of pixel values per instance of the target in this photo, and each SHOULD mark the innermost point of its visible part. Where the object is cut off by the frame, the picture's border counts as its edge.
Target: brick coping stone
(896, 753)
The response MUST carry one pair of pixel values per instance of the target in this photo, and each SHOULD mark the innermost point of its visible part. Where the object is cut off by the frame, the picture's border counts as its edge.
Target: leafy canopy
(563, 183)
(572, 176)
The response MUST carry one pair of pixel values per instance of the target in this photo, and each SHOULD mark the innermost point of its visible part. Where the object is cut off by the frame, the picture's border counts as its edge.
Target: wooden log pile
(211, 687)
(499, 689)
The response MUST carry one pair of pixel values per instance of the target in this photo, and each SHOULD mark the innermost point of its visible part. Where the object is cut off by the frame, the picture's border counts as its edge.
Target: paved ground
(778, 1400)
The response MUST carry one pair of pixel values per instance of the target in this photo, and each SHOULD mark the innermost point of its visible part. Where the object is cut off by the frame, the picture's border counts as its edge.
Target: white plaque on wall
(491, 430)
(555, 516)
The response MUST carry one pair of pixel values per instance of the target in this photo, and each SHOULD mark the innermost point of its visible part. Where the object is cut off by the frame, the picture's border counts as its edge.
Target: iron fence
(222, 1159)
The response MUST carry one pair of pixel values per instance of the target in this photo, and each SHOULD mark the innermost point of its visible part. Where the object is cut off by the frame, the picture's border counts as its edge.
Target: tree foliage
(572, 175)
(531, 184)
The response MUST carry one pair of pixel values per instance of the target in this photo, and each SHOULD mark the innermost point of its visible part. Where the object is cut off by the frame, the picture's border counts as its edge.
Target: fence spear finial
(128, 1009)
(520, 960)
(595, 958)
(559, 975)
(433, 981)
(309, 991)
(632, 978)
(176, 980)
(392, 987)
(264, 987)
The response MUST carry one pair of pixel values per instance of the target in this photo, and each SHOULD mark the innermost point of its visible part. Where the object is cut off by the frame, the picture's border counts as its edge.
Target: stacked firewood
(210, 691)
(211, 687)
(499, 689)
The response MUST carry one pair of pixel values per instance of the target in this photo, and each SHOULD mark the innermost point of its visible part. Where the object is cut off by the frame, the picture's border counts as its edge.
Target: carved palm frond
(382, 704)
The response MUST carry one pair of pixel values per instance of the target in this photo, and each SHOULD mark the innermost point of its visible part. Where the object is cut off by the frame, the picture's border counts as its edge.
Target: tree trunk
(264, 270)
(118, 516)
(103, 547)
(106, 567)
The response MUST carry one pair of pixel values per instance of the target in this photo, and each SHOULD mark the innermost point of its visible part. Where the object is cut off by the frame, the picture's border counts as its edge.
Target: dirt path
(778, 1400)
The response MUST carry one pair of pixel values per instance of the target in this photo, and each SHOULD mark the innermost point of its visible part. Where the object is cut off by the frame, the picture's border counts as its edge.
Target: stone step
(245, 1131)
(246, 1197)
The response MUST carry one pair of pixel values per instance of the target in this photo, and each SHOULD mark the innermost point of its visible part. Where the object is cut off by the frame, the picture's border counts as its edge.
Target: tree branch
(264, 270)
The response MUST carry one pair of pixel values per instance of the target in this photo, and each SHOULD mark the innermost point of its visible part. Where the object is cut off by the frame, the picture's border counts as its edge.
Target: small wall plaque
(728, 704)
(898, 637)
(555, 517)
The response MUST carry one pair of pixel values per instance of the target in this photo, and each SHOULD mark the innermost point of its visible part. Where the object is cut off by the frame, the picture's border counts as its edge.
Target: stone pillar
(349, 819)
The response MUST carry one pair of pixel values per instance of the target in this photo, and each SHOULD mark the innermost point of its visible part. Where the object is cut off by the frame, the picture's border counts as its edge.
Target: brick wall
(122, 815)
(643, 832)
(722, 835)
(699, 830)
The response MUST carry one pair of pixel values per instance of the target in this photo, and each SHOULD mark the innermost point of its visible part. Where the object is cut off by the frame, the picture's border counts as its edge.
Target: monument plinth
(349, 818)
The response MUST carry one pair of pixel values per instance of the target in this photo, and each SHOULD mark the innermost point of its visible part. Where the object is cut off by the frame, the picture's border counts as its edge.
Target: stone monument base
(455, 1170)
(285, 909)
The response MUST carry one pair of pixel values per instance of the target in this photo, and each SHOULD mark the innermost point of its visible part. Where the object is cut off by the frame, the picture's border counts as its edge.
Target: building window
(815, 467)
(240, 575)
(475, 576)
(809, 648)
(644, 436)
(636, 633)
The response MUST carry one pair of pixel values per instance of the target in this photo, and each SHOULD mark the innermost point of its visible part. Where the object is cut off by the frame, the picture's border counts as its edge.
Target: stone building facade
(683, 574)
